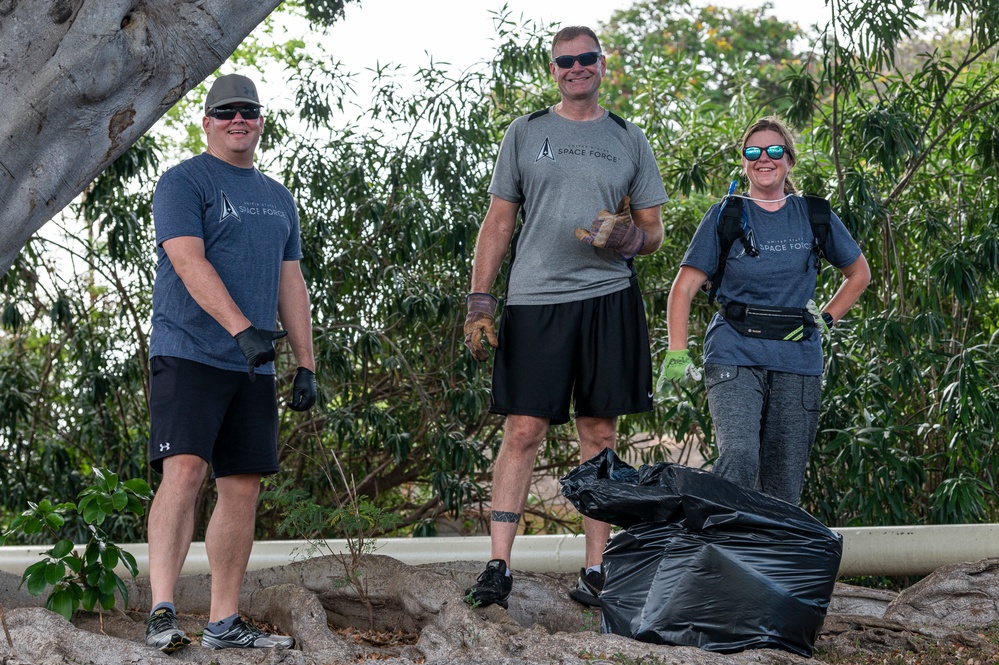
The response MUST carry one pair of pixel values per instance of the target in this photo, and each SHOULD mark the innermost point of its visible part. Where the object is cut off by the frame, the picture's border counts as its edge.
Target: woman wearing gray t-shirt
(763, 349)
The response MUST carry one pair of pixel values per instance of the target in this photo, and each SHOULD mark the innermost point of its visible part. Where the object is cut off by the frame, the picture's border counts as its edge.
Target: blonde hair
(775, 124)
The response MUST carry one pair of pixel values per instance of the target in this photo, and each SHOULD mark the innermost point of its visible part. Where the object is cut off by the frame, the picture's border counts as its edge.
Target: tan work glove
(615, 230)
(479, 322)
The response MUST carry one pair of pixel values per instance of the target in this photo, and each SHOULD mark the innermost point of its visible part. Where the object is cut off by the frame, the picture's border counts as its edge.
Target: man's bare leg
(522, 436)
(229, 539)
(171, 523)
(595, 434)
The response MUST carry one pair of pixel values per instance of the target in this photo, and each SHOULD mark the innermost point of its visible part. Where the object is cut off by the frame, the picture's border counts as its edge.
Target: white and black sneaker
(244, 636)
(163, 632)
(588, 587)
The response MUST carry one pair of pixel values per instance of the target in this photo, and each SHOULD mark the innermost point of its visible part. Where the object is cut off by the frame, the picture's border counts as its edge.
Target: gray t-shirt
(783, 275)
(249, 223)
(563, 172)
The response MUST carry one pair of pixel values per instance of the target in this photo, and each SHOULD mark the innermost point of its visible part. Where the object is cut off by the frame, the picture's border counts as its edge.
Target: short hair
(775, 124)
(568, 33)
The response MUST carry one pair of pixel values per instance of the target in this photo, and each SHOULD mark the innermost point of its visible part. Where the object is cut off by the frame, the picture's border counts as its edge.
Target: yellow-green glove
(820, 320)
(677, 366)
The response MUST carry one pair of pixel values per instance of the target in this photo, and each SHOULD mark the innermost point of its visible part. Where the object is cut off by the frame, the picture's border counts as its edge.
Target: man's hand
(677, 366)
(615, 230)
(479, 322)
(257, 346)
(303, 390)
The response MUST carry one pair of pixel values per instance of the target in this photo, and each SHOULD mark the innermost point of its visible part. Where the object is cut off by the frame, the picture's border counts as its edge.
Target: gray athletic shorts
(216, 414)
(594, 353)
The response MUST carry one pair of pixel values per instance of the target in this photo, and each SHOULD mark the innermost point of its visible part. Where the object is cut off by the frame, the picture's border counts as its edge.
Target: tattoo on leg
(505, 516)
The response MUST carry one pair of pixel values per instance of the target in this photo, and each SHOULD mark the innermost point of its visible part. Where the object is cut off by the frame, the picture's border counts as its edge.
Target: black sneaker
(492, 588)
(588, 587)
(244, 636)
(163, 632)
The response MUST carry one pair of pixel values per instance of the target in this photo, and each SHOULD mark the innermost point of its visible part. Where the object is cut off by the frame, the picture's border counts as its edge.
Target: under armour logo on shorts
(164, 446)
(724, 375)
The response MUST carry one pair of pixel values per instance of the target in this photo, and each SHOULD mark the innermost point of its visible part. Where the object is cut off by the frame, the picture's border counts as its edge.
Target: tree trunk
(81, 80)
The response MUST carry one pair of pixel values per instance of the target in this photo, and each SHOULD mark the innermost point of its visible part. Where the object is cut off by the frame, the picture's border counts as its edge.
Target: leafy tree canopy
(898, 127)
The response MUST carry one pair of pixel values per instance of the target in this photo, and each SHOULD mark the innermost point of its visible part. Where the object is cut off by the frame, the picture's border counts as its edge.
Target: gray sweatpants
(765, 424)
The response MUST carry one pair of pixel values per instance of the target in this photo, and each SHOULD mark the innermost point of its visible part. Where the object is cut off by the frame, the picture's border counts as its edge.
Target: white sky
(462, 33)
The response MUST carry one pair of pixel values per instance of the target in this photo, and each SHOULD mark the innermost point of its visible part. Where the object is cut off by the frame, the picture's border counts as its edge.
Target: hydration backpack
(732, 227)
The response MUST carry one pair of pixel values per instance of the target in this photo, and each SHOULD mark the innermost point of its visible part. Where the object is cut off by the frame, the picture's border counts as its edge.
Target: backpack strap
(729, 229)
(618, 119)
(819, 214)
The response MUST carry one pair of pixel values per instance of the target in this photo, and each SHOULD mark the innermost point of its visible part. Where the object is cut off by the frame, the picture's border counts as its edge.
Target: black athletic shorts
(216, 414)
(594, 352)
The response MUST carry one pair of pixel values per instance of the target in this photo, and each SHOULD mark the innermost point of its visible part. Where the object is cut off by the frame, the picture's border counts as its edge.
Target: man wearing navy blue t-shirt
(228, 254)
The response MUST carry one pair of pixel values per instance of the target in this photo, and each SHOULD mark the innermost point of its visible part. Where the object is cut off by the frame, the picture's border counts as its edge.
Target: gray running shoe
(163, 632)
(244, 636)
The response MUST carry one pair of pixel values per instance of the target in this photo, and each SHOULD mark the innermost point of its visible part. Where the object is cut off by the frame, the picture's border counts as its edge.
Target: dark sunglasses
(585, 59)
(754, 152)
(229, 112)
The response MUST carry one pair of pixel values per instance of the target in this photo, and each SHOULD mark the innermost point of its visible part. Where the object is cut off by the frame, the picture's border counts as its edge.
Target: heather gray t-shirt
(783, 275)
(563, 172)
(249, 223)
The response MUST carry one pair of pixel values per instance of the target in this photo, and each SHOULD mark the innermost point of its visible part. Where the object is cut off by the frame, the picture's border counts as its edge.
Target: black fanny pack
(789, 324)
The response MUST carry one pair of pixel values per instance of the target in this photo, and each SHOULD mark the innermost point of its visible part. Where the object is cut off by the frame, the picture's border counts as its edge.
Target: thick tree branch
(89, 80)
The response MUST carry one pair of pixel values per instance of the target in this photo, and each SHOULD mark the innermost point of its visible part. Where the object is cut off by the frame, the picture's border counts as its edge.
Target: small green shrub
(90, 580)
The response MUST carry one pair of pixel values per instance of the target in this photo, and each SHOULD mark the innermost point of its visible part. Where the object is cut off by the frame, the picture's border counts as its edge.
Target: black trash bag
(703, 562)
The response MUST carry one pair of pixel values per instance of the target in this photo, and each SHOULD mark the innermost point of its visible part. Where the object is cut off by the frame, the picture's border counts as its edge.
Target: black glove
(257, 346)
(303, 391)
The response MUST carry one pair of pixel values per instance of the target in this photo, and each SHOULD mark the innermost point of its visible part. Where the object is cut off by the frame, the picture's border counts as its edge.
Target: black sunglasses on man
(229, 112)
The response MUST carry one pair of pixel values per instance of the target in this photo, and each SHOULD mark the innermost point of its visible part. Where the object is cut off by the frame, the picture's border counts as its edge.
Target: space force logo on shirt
(228, 209)
(546, 151)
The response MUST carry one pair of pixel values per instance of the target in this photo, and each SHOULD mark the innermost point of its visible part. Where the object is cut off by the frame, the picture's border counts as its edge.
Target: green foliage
(323, 12)
(88, 580)
(74, 386)
(908, 420)
(659, 53)
(353, 517)
(357, 521)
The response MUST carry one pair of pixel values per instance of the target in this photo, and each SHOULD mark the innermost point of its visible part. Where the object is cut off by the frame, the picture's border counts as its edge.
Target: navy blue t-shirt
(783, 275)
(249, 224)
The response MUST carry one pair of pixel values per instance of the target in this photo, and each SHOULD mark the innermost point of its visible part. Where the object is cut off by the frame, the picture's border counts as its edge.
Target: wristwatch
(827, 317)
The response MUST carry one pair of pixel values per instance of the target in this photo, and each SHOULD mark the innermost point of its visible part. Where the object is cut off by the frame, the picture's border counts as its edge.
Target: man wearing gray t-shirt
(228, 254)
(573, 329)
